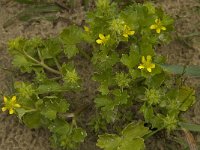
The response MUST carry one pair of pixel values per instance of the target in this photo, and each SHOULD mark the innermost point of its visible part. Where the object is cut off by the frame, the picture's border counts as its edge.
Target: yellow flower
(157, 26)
(87, 29)
(147, 64)
(10, 105)
(127, 31)
(103, 39)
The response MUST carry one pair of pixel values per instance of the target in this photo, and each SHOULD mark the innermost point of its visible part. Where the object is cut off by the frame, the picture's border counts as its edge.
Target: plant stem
(152, 133)
(57, 63)
(42, 64)
(76, 113)
(40, 56)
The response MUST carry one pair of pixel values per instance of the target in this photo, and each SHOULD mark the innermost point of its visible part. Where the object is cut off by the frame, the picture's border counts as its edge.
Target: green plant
(126, 67)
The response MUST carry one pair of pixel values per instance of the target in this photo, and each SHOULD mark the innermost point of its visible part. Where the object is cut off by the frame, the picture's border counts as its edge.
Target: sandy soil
(14, 136)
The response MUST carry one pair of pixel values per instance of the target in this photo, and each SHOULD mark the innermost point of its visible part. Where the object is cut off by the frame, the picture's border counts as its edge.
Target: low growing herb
(127, 69)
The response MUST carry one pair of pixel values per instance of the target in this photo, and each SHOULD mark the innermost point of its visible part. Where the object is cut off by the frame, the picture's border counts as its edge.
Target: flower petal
(143, 60)
(125, 27)
(13, 100)
(131, 32)
(11, 111)
(141, 66)
(157, 21)
(158, 30)
(86, 29)
(5, 99)
(154, 26)
(99, 41)
(152, 65)
(149, 58)
(17, 105)
(101, 36)
(149, 69)
(108, 37)
(125, 35)
(163, 28)
(3, 109)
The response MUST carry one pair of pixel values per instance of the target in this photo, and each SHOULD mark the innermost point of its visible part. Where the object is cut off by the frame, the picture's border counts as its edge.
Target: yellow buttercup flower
(147, 64)
(87, 29)
(10, 105)
(127, 31)
(157, 26)
(103, 39)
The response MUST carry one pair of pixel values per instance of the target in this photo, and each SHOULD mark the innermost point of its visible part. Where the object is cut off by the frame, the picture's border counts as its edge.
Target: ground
(184, 49)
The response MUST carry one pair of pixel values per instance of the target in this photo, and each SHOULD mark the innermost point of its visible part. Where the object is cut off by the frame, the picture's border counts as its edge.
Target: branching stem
(42, 64)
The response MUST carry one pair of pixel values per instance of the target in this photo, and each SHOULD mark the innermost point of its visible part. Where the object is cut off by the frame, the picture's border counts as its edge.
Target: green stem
(29, 108)
(76, 113)
(40, 56)
(42, 64)
(57, 63)
(152, 133)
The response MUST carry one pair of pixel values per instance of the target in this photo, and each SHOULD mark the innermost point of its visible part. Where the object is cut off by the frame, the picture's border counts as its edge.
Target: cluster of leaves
(129, 72)
(124, 82)
(42, 99)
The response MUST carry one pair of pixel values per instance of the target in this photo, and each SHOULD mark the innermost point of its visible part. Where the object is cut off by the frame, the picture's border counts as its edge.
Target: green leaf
(147, 112)
(50, 86)
(137, 143)
(49, 113)
(70, 50)
(70, 37)
(60, 127)
(190, 126)
(103, 61)
(121, 97)
(107, 106)
(185, 70)
(105, 77)
(135, 131)
(52, 105)
(32, 119)
(108, 141)
(25, 90)
(186, 96)
(62, 106)
(151, 8)
(37, 11)
(21, 62)
(130, 138)
(131, 60)
(146, 48)
(104, 88)
(79, 135)
(21, 112)
(122, 79)
(105, 102)
(157, 80)
(52, 47)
